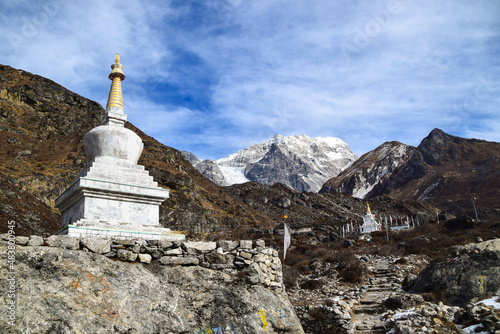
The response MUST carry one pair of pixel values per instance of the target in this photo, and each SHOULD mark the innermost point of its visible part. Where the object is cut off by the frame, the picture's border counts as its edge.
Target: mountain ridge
(444, 170)
(300, 162)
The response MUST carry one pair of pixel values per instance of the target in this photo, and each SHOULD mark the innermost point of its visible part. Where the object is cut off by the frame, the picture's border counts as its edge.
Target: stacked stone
(326, 319)
(479, 317)
(426, 318)
(259, 265)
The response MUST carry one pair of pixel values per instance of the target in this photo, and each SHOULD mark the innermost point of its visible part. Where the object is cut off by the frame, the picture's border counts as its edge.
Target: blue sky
(215, 76)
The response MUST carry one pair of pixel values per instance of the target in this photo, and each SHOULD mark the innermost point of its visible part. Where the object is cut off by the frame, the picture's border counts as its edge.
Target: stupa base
(84, 228)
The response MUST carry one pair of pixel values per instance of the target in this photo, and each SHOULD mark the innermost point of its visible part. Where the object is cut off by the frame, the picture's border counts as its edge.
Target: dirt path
(371, 305)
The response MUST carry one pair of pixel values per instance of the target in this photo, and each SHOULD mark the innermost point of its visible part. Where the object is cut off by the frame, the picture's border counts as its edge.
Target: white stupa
(114, 196)
(369, 222)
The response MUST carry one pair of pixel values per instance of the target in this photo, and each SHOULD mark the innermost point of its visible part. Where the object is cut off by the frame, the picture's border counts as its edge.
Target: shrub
(341, 258)
(304, 265)
(330, 302)
(312, 284)
(387, 250)
(240, 276)
(348, 266)
(426, 229)
(355, 273)
(435, 297)
(417, 245)
(439, 258)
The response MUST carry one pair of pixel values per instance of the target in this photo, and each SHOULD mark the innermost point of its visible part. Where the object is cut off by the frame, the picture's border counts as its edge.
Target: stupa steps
(120, 174)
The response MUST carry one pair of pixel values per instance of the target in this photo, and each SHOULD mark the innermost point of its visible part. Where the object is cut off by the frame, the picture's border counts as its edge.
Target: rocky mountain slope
(371, 169)
(42, 127)
(324, 213)
(300, 162)
(444, 170)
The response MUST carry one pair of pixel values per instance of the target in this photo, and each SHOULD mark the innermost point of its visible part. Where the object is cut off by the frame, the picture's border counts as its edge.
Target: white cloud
(216, 76)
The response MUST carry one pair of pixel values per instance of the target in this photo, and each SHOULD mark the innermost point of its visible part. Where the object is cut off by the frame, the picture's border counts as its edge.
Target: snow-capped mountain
(372, 169)
(300, 162)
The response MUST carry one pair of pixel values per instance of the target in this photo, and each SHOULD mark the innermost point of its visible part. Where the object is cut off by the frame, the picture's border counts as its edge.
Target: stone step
(379, 273)
(377, 296)
(380, 288)
(367, 312)
(378, 284)
(381, 326)
(376, 327)
(368, 309)
(379, 281)
(384, 276)
(368, 329)
(368, 300)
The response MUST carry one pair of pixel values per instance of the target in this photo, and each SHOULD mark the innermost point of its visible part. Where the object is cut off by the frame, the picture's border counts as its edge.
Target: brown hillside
(453, 171)
(317, 210)
(444, 170)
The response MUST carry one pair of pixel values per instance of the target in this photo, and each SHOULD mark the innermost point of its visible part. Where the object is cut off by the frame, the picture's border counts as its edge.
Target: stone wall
(334, 318)
(260, 265)
(65, 285)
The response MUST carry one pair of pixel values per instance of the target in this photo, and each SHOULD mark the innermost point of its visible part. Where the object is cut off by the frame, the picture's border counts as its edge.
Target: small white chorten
(114, 196)
(369, 222)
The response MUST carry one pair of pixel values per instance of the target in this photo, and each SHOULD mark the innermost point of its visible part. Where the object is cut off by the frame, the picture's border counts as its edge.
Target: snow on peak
(317, 158)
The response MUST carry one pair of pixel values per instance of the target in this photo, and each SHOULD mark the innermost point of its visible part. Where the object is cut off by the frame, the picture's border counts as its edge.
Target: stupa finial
(115, 99)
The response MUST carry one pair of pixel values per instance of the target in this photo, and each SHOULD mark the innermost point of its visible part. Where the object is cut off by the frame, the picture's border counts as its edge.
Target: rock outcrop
(474, 274)
(208, 168)
(145, 287)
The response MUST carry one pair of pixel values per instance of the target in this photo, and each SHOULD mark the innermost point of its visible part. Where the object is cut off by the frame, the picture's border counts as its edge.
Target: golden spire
(115, 99)
(368, 211)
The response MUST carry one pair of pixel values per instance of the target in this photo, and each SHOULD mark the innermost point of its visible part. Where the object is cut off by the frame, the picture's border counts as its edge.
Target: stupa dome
(112, 141)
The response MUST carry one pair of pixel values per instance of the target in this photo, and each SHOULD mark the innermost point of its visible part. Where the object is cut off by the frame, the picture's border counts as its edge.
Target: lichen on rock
(69, 291)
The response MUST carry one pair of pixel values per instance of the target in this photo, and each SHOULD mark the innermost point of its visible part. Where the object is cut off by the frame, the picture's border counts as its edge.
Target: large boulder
(403, 301)
(71, 291)
(473, 275)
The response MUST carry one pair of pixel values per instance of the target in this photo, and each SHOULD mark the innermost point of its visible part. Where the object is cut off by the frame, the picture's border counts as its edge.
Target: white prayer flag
(286, 239)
